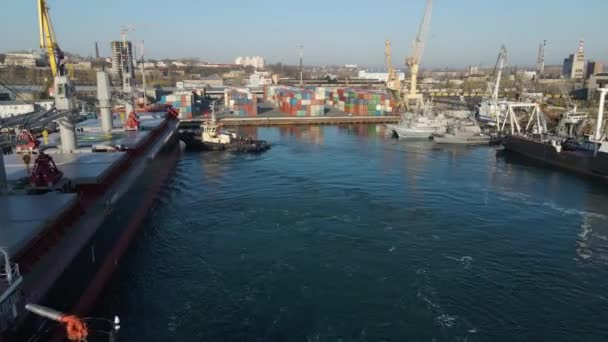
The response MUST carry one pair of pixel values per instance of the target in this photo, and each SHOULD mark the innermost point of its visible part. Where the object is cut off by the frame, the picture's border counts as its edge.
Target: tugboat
(212, 138)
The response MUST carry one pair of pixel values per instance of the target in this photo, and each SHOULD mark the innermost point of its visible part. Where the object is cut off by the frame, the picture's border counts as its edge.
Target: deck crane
(489, 110)
(571, 122)
(500, 64)
(413, 62)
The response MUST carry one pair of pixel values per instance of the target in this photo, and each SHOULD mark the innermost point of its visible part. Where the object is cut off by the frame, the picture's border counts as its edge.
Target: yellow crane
(63, 88)
(393, 82)
(48, 40)
(413, 62)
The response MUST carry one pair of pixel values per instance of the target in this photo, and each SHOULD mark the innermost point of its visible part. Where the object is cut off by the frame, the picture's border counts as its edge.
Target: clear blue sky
(463, 32)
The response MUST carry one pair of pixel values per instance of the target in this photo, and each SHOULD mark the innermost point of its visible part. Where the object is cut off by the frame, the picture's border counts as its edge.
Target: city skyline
(467, 32)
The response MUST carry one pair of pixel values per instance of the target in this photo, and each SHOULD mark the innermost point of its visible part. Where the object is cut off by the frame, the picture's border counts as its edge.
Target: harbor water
(342, 234)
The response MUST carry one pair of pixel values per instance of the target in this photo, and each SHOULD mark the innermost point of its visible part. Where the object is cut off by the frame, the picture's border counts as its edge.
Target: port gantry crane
(48, 40)
(413, 62)
(63, 89)
(393, 83)
(63, 110)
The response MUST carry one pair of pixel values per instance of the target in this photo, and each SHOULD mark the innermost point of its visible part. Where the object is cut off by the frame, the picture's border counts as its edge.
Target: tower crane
(413, 62)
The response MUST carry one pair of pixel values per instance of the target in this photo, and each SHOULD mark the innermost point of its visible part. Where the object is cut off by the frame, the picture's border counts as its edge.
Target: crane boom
(48, 40)
(393, 82)
(413, 62)
(422, 32)
(502, 58)
(387, 53)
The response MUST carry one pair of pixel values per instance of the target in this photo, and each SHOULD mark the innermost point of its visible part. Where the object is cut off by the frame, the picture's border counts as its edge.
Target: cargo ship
(588, 156)
(66, 222)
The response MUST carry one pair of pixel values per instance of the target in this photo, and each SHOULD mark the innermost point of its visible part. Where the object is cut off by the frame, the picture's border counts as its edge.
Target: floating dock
(280, 121)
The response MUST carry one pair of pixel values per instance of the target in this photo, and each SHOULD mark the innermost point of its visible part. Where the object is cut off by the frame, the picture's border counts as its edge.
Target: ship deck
(89, 133)
(24, 217)
(79, 168)
(85, 166)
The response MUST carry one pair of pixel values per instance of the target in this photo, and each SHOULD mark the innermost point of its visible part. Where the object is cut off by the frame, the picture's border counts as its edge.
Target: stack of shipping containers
(312, 100)
(361, 102)
(184, 102)
(241, 101)
(295, 101)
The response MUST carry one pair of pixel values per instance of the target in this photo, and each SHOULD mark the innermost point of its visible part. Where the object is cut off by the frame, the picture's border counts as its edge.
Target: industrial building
(574, 65)
(593, 68)
(255, 61)
(23, 59)
(45, 104)
(596, 81)
(204, 82)
(379, 76)
(259, 80)
(12, 108)
(81, 65)
(122, 59)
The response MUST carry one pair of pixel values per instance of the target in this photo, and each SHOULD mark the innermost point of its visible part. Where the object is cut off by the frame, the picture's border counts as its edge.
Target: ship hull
(403, 132)
(194, 142)
(466, 140)
(581, 162)
(103, 234)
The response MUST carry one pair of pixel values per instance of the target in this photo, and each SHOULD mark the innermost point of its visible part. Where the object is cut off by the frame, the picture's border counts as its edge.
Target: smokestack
(96, 51)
